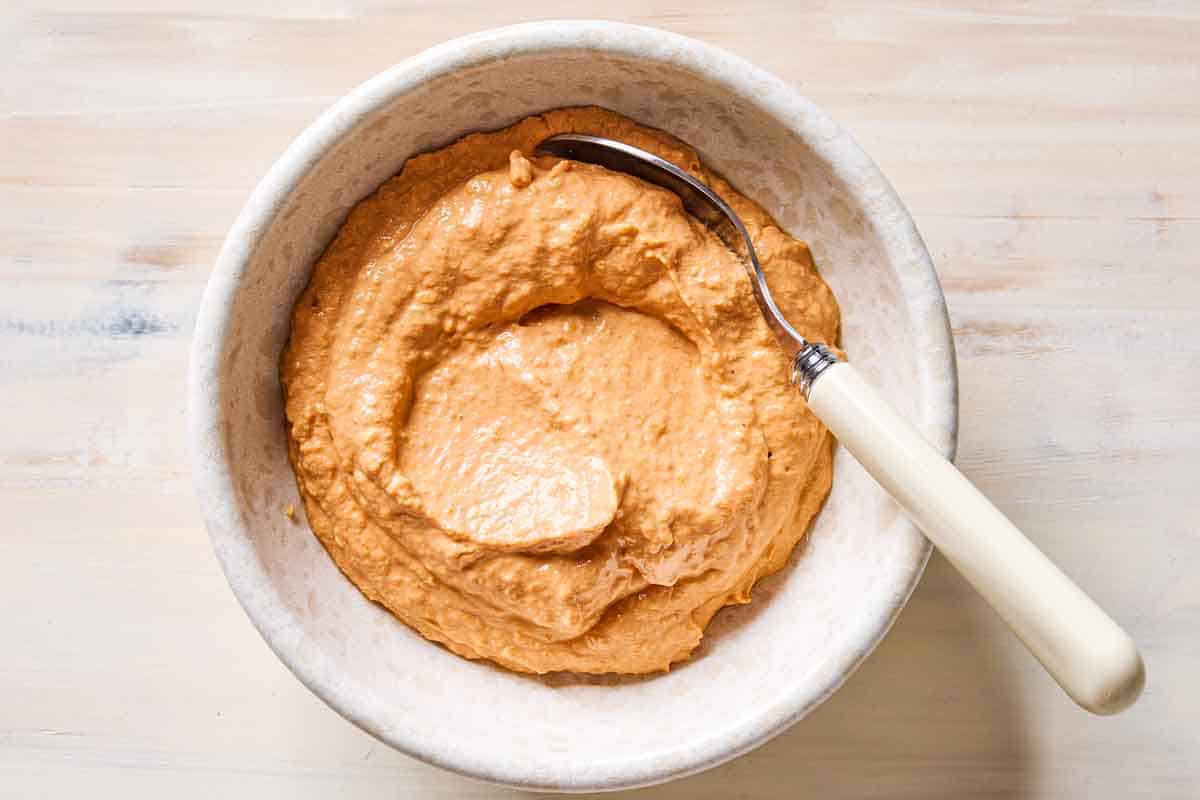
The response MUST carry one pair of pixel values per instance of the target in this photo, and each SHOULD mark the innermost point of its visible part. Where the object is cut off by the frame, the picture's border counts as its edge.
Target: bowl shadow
(934, 712)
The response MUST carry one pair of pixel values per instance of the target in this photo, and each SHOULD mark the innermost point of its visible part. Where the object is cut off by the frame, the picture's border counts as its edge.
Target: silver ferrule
(810, 364)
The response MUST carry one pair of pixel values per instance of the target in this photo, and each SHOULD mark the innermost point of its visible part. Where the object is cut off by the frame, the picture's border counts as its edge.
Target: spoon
(1090, 656)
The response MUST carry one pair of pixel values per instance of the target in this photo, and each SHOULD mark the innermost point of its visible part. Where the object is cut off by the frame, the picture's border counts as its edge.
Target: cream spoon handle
(1090, 656)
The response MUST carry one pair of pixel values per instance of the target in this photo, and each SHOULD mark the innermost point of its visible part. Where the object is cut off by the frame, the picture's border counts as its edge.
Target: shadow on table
(934, 712)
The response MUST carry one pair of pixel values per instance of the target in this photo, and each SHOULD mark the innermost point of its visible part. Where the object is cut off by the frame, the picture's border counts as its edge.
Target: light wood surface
(1050, 153)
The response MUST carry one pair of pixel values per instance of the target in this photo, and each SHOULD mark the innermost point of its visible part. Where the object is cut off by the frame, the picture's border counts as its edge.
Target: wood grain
(1049, 152)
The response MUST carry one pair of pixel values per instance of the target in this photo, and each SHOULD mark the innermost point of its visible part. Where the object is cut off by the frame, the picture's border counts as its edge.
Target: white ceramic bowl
(763, 666)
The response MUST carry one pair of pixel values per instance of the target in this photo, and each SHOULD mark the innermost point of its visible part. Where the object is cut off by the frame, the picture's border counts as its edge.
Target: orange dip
(535, 413)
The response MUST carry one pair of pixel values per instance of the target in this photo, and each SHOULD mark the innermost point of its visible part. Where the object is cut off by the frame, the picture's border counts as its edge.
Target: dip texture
(534, 410)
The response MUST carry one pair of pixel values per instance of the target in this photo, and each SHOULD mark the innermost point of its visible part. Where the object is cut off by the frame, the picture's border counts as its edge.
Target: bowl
(763, 666)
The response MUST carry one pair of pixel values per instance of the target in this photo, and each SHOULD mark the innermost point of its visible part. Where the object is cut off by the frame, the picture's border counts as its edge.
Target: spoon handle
(1090, 656)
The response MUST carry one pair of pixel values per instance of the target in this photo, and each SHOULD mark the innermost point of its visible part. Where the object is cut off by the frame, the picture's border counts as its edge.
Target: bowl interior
(763, 665)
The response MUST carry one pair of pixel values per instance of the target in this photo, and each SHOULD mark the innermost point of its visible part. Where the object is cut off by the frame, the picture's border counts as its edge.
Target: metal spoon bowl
(1089, 655)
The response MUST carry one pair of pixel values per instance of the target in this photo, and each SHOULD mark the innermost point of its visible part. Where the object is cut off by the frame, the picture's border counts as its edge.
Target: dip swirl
(534, 410)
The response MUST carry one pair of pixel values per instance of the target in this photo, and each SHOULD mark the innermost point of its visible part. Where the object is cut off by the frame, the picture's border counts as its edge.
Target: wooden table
(1050, 153)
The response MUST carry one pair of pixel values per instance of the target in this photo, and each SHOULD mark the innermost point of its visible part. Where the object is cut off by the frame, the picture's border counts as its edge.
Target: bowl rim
(232, 545)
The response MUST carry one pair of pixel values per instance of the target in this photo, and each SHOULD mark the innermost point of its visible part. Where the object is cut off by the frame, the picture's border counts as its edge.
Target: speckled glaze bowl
(763, 666)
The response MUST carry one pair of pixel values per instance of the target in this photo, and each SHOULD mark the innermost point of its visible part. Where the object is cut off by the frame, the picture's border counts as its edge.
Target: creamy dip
(534, 410)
